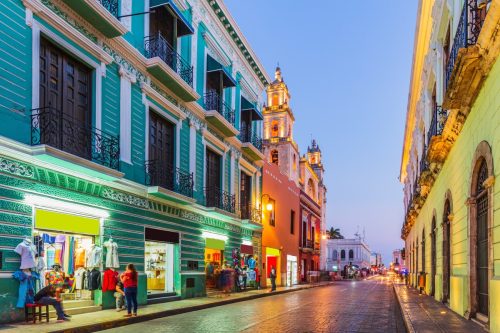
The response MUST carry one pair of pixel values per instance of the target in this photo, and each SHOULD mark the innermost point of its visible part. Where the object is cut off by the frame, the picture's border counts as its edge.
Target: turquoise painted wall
(184, 146)
(200, 166)
(111, 100)
(15, 65)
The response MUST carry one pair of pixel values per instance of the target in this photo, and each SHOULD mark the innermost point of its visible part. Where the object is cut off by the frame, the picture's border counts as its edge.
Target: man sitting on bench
(50, 295)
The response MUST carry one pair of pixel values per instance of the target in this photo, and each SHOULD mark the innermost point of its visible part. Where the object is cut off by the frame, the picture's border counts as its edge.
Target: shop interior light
(63, 206)
(246, 242)
(208, 234)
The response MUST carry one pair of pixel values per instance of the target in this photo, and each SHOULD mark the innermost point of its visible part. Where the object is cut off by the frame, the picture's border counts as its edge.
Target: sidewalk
(422, 313)
(105, 319)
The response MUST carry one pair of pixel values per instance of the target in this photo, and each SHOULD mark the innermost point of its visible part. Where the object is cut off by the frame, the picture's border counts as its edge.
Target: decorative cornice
(16, 168)
(217, 52)
(122, 197)
(162, 100)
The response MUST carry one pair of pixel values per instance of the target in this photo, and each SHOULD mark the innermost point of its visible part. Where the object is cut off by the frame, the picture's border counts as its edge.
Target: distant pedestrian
(272, 276)
(129, 280)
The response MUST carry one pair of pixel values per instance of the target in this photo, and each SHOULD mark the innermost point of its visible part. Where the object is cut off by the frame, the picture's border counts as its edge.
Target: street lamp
(269, 205)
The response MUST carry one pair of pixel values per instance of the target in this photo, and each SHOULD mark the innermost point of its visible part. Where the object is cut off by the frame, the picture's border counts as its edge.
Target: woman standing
(129, 280)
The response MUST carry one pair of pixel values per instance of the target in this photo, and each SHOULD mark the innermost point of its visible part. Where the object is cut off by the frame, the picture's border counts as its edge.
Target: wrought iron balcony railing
(214, 102)
(165, 175)
(424, 165)
(157, 46)
(438, 122)
(247, 135)
(215, 197)
(111, 6)
(469, 26)
(50, 126)
(308, 244)
(249, 212)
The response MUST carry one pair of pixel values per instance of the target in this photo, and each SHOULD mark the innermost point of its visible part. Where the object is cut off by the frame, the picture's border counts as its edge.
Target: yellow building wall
(482, 124)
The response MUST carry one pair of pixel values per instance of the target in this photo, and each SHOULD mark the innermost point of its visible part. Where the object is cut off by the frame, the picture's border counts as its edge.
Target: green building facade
(128, 122)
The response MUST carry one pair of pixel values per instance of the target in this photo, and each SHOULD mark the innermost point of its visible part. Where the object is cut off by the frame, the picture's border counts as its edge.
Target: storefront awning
(247, 106)
(183, 26)
(215, 244)
(51, 220)
(219, 73)
(246, 249)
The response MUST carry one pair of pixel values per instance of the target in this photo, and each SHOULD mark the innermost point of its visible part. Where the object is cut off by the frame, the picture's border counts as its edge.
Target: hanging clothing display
(27, 250)
(26, 287)
(111, 254)
(80, 278)
(94, 279)
(110, 280)
(93, 258)
(251, 263)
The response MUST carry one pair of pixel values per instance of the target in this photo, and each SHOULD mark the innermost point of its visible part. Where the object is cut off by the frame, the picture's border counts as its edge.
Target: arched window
(275, 129)
(423, 250)
(351, 254)
(482, 240)
(446, 250)
(311, 190)
(275, 157)
(342, 254)
(294, 162)
(335, 255)
(433, 256)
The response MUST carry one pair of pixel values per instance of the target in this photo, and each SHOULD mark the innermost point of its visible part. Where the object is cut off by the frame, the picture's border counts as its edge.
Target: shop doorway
(291, 271)
(159, 267)
(160, 254)
(213, 267)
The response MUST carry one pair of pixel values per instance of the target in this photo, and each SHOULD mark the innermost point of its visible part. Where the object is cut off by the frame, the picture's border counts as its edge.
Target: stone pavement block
(423, 313)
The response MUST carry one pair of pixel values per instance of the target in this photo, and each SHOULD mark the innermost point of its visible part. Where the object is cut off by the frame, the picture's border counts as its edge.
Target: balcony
(437, 146)
(166, 181)
(102, 14)
(463, 79)
(217, 198)
(165, 64)
(219, 114)
(307, 245)
(62, 140)
(250, 213)
(251, 144)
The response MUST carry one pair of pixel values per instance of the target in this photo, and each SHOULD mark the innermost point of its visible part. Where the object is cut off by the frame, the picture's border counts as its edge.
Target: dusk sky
(347, 65)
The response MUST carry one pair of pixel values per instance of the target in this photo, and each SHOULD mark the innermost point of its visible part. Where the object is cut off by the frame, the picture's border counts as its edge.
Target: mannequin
(93, 257)
(27, 250)
(112, 260)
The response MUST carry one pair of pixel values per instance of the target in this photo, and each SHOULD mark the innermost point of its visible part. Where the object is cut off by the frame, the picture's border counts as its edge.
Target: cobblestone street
(361, 306)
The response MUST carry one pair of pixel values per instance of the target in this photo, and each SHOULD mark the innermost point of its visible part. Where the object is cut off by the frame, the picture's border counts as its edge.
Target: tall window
(342, 254)
(433, 256)
(482, 241)
(446, 251)
(292, 222)
(351, 254)
(274, 157)
(335, 255)
(275, 129)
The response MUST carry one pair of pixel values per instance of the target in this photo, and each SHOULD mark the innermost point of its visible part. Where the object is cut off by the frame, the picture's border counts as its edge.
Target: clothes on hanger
(51, 255)
(27, 283)
(110, 280)
(93, 258)
(94, 279)
(80, 279)
(27, 250)
(112, 260)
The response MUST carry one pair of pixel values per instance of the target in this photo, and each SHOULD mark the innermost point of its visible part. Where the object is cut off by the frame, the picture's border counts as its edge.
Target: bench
(34, 310)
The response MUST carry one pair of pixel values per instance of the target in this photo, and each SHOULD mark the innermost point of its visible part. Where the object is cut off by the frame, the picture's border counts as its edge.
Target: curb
(406, 317)
(167, 313)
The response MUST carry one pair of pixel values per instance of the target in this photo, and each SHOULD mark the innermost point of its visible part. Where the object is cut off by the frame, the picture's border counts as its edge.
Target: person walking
(129, 280)
(272, 276)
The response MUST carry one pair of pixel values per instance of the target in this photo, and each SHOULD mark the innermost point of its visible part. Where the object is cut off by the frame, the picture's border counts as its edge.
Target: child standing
(129, 280)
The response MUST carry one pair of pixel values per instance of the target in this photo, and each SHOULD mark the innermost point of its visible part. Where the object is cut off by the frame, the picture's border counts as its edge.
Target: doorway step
(162, 298)
(76, 307)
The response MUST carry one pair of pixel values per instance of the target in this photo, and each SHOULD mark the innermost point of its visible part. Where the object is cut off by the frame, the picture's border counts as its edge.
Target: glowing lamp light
(246, 242)
(208, 234)
(64, 206)
(269, 206)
